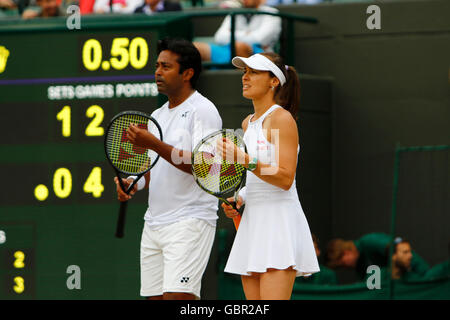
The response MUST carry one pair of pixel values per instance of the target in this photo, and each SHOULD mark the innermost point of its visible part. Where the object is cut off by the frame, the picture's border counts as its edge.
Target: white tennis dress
(273, 232)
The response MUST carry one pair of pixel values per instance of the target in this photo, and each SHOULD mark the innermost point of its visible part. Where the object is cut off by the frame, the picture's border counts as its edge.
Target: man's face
(49, 7)
(251, 4)
(167, 73)
(403, 256)
(349, 259)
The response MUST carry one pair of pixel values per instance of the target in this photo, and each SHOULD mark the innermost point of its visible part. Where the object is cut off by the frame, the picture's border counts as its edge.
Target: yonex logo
(183, 115)
(184, 280)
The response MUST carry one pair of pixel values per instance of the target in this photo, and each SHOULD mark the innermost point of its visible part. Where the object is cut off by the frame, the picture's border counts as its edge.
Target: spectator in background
(7, 7)
(254, 34)
(87, 6)
(47, 9)
(401, 261)
(441, 270)
(118, 6)
(278, 2)
(369, 250)
(325, 276)
(230, 4)
(7, 4)
(153, 6)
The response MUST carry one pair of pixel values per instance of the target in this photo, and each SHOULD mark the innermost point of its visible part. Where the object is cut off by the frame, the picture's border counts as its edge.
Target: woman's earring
(273, 88)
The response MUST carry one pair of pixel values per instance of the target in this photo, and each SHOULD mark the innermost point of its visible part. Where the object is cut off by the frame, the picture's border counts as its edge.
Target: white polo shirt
(173, 194)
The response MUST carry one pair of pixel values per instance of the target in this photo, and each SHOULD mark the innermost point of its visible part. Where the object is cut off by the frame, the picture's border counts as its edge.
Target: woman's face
(255, 83)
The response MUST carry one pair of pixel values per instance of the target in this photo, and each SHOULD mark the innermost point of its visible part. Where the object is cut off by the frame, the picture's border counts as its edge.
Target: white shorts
(174, 257)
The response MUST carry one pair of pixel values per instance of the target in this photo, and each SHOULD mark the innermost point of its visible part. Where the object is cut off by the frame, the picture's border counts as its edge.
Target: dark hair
(288, 95)
(188, 55)
(396, 242)
(336, 249)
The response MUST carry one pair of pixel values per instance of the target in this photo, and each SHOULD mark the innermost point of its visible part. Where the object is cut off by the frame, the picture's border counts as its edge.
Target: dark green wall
(390, 86)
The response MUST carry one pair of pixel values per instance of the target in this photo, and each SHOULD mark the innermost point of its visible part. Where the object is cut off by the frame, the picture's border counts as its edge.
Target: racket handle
(236, 221)
(121, 221)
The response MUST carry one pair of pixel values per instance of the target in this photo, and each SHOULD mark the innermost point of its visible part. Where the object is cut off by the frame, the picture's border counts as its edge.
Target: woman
(273, 244)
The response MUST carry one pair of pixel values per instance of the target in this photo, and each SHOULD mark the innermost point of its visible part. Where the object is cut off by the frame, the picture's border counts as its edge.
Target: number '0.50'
(123, 52)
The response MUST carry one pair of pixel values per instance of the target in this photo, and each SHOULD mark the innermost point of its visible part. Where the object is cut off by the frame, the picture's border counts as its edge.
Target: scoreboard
(58, 208)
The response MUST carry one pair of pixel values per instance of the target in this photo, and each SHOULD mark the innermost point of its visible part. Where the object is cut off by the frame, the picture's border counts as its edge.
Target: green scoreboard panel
(58, 208)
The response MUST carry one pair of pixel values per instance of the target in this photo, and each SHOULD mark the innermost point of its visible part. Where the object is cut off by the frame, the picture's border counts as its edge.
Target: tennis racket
(126, 158)
(217, 176)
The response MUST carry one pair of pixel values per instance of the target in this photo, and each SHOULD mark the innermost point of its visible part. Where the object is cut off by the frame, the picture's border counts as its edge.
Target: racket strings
(122, 153)
(213, 173)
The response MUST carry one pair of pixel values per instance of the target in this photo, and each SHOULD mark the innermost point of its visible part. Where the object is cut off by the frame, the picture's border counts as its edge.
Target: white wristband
(141, 182)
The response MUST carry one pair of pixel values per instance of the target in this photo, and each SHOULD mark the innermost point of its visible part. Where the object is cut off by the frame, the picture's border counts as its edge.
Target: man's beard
(402, 267)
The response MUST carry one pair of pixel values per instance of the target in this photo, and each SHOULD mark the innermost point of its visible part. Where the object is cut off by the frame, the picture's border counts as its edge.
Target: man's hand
(141, 137)
(121, 195)
(29, 14)
(8, 4)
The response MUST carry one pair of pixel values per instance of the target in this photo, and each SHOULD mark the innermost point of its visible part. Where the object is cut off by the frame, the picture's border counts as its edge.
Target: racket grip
(121, 220)
(236, 221)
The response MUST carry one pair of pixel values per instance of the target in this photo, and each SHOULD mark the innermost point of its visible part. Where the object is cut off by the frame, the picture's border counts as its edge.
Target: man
(401, 262)
(153, 6)
(253, 33)
(180, 220)
(48, 8)
(116, 6)
(8, 4)
(370, 249)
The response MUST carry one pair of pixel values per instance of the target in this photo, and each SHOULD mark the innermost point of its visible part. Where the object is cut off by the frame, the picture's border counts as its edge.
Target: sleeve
(206, 119)
(330, 277)
(101, 5)
(374, 243)
(173, 6)
(86, 6)
(223, 34)
(132, 5)
(418, 265)
(267, 34)
(441, 270)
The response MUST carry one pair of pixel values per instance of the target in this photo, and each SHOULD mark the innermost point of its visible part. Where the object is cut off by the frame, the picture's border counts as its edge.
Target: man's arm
(178, 158)
(222, 35)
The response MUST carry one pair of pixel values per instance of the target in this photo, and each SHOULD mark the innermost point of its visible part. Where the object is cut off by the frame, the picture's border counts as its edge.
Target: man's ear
(188, 74)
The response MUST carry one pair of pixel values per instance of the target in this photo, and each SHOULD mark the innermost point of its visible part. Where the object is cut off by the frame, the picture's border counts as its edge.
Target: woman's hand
(230, 212)
(227, 150)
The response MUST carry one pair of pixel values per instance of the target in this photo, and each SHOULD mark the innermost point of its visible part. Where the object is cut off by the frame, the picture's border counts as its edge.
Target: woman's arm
(281, 131)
